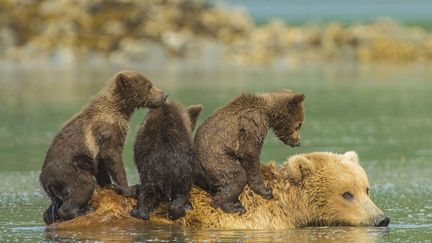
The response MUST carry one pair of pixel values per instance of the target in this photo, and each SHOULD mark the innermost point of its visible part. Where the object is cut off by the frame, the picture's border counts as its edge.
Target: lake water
(382, 112)
(417, 12)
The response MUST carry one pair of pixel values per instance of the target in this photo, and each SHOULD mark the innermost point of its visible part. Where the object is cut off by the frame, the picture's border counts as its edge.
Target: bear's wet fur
(228, 144)
(164, 156)
(87, 151)
(308, 191)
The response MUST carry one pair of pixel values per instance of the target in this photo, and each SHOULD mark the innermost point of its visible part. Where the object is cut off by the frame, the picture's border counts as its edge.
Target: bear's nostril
(382, 221)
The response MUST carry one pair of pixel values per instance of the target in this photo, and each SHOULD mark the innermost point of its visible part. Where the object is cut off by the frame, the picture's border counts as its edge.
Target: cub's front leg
(111, 162)
(114, 165)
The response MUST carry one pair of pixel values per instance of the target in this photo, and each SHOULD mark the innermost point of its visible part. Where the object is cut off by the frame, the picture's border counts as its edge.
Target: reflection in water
(163, 233)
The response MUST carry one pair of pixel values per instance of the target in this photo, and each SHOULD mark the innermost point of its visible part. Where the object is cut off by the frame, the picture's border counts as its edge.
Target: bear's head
(286, 115)
(335, 189)
(137, 91)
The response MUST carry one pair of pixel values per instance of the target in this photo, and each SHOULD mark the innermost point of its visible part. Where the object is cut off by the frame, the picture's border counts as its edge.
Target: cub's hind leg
(180, 196)
(76, 194)
(229, 188)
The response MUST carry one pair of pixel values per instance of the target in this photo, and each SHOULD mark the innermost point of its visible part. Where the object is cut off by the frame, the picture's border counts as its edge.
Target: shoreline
(128, 32)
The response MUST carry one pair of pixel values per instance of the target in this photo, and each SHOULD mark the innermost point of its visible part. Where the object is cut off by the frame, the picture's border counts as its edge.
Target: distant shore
(64, 32)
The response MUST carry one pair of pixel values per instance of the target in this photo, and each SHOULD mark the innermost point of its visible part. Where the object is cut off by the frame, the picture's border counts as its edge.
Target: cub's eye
(348, 195)
(299, 125)
(367, 190)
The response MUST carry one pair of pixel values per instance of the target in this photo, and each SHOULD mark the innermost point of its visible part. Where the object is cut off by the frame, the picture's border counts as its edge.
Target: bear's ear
(194, 111)
(297, 99)
(122, 81)
(298, 168)
(351, 156)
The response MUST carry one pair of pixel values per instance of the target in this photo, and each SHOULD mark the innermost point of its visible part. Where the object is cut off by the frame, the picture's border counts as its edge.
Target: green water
(382, 112)
(413, 12)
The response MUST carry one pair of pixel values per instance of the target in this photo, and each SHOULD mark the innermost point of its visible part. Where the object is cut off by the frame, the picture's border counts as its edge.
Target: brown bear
(90, 145)
(228, 144)
(315, 189)
(164, 157)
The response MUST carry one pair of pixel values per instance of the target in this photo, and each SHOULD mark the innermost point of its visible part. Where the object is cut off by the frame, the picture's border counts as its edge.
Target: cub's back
(221, 128)
(163, 136)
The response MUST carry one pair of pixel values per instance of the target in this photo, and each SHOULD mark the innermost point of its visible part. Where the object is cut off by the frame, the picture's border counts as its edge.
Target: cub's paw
(139, 214)
(111, 187)
(51, 216)
(267, 193)
(236, 207)
(87, 210)
(176, 212)
(125, 191)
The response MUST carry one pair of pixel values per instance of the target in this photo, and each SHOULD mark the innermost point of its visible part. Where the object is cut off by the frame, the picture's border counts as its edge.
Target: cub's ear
(298, 168)
(351, 156)
(194, 111)
(297, 99)
(121, 80)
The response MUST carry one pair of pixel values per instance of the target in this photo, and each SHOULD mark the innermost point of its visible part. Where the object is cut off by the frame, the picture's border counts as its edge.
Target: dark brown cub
(164, 157)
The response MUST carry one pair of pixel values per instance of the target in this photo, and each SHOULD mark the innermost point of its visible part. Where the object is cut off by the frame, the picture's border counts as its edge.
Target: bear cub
(87, 150)
(228, 144)
(164, 156)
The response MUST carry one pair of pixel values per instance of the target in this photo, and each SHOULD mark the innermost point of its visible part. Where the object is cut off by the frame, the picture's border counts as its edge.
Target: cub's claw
(236, 207)
(267, 193)
(188, 206)
(176, 212)
(139, 215)
(50, 216)
(89, 209)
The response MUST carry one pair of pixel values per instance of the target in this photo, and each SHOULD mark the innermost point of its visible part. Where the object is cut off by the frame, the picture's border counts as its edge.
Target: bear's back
(164, 141)
(220, 130)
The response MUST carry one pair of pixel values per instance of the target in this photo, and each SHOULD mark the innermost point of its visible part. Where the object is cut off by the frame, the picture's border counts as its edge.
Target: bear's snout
(381, 221)
(295, 144)
(292, 143)
(156, 98)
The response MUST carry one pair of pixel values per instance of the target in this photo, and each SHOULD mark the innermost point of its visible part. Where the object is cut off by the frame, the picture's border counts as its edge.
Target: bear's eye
(367, 191)
(348, 195)
(299, 126)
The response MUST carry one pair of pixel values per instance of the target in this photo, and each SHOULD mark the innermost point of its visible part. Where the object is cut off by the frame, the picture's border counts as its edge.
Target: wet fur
(300, 201)
(87, 151)
(164, 156)
(229, 143)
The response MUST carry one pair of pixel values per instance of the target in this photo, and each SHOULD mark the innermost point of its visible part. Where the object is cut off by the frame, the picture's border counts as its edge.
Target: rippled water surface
(382, 112)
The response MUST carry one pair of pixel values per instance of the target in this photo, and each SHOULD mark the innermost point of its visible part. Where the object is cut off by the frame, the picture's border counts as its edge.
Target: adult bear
(316, 189)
